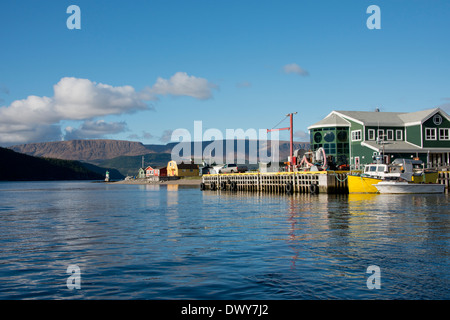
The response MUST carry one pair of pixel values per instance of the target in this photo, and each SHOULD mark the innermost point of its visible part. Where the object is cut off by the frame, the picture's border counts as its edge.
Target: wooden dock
(289, 182)
(279, 182)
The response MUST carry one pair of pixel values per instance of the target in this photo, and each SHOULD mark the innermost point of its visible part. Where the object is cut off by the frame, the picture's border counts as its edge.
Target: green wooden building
(354, 137)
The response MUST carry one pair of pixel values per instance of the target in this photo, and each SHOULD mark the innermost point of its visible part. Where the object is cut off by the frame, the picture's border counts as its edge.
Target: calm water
(169, 242)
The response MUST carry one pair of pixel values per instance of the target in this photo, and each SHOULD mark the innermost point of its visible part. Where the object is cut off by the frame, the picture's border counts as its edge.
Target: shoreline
(186, 182)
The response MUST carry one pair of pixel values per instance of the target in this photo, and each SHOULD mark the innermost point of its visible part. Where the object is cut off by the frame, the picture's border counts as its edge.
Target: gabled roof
(422, 116)
(375, 118)
(332, 120)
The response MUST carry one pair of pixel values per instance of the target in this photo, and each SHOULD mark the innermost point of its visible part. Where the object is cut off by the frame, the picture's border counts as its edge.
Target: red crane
(291, 129)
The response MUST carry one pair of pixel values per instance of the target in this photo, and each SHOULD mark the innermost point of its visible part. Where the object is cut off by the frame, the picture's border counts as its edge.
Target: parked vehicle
(232, 168)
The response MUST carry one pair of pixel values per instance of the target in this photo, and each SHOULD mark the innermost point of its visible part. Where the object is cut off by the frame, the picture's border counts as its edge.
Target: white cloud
(181, 84)
(295, 68)
(78, 99)
(95, 129)
(29, 111)
(19, 134)
(38, 118)
(74, 99)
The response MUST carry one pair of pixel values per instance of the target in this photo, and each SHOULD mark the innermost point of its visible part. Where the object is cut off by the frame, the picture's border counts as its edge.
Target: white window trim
(354, 132)
(401, 134)
(371, 134)
(382, 134)
(448, 134)
(392, 134)
(435, 134)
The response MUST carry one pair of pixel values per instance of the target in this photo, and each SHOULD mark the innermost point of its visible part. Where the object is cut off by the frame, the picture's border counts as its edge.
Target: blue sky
(137, 70)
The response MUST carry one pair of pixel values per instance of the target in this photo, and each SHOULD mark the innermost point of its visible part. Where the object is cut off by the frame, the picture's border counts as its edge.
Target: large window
(371, 134)
(381, 134)
(342, 134)
(343, 148)
(390, 134)
(430, 133)
(317, 137)
(398, 134)
(356, 135)
(330, 148)
(444, 134)
(329, 136)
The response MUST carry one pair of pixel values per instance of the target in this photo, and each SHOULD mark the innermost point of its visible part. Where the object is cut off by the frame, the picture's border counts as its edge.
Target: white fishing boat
(399, 170)
(395, 187)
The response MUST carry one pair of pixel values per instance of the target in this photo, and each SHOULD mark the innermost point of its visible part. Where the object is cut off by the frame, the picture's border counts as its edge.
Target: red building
(149, 172)
(154, 172)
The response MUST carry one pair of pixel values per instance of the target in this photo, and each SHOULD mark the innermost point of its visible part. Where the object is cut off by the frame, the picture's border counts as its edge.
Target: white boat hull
(405, 187)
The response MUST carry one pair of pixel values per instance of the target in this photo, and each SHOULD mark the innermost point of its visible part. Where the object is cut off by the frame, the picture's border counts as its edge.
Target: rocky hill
(96, 150)
(125, 157)
(83, 150)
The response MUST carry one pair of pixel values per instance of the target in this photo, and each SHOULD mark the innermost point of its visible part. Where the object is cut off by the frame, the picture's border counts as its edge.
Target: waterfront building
(151, 172)
(182, 169)
(141, 173)
(354, 137)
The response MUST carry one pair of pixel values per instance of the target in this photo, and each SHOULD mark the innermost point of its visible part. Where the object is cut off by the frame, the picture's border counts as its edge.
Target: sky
(138, 70)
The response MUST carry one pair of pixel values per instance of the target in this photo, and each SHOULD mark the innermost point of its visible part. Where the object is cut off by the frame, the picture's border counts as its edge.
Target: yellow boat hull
(360, 184)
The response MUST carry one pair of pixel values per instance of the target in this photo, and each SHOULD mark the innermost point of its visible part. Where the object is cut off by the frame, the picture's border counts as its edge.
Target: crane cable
(280, 122)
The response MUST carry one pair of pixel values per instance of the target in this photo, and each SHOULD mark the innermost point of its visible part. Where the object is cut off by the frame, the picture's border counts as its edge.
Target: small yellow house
(182, 169)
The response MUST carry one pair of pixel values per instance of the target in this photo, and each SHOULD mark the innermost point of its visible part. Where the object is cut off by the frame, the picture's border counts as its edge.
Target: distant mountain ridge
(103, 149)
(83, 150)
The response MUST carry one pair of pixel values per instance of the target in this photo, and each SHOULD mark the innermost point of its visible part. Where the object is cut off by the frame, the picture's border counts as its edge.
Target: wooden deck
(286, 182)
(289, 182)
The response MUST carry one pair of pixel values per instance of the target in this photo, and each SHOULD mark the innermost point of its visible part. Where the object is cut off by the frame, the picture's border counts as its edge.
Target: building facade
(151, 172)
(141, 173)
(182, 169)
(354, 137)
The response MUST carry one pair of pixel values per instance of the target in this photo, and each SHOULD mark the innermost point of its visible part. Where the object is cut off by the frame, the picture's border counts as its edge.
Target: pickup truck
(232, 168)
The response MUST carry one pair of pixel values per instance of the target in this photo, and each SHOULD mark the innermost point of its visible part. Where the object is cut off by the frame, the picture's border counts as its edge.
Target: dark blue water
(174, 242)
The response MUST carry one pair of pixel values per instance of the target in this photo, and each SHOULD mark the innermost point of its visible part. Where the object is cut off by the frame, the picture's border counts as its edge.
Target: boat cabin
(399, 169)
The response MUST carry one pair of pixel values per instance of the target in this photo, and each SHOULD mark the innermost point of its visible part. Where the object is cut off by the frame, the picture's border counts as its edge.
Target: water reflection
(346, 227)
(166, 241)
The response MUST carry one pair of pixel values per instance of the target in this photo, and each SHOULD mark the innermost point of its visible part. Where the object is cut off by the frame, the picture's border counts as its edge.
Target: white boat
(407, 187)
(399, 170)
